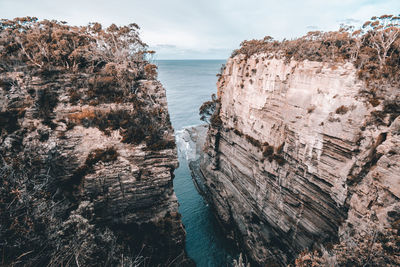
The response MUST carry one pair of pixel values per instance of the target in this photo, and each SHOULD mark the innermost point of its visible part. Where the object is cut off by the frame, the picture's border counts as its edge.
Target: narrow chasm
(188, 84)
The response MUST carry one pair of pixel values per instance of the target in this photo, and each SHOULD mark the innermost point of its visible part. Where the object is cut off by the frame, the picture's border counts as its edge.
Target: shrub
(48, 44)
(134, 126)
(105, 89)
(151, 71)
(103, 155)
(46, 102)
(375, 248)
(374, 49)
(342, 110)
(208, 108)
(253, 141)
(49, 48)
(279, 149)
(9, 122)
(158, 143)
(77, 117)
(6, 84)
(74, 96)
(374, 101)
(237, 132)
(267, 150)
(216, 121)
(279, 159)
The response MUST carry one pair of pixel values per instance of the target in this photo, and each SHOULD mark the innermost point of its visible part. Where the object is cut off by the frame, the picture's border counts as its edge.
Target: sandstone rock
(299, 157)
(54, 154)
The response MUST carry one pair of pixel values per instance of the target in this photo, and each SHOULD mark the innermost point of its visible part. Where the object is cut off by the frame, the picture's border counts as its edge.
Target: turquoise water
(189, 83)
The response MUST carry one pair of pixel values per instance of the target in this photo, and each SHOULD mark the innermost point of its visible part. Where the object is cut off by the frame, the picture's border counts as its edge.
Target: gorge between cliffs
(104, 163)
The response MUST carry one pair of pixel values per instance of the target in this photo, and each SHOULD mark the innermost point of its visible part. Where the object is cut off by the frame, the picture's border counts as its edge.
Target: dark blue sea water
(189, 83)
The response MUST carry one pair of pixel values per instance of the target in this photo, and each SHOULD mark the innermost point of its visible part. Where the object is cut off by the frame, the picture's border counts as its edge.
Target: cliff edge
(87, 149)
(302, 153)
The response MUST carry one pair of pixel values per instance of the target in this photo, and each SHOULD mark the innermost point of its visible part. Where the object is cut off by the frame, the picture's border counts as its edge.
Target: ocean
(189, 83)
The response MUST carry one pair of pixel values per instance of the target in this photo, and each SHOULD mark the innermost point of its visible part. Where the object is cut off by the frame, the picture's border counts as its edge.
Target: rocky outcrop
(81, 185)
(190, 142)
(301, 158)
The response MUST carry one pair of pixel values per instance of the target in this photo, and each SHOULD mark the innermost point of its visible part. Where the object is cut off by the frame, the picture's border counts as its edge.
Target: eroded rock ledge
(301, 160)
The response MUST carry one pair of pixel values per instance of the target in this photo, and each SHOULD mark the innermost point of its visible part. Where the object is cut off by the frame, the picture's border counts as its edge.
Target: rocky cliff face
(86, 171)
(301, 158)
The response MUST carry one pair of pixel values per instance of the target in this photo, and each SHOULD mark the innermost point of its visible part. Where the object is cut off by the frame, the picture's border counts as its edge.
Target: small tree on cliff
(207, 109)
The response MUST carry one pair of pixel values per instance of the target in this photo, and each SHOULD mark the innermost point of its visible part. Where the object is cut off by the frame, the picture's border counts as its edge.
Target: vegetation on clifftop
(374, 48)
(54, 77)
(53, 44)
(113, 60)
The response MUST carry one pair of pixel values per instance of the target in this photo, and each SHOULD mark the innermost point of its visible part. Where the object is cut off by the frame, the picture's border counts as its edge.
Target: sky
(205, 29)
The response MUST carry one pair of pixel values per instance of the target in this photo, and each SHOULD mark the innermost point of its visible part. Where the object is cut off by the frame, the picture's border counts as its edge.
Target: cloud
(168, 46)
(207, 28)
(350, 21)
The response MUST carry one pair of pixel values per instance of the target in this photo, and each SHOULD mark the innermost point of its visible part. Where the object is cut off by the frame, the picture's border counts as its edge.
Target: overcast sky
(205, 29)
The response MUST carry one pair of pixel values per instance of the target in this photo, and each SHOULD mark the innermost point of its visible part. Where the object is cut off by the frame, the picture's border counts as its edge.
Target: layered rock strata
(80, 185)
(300, 158)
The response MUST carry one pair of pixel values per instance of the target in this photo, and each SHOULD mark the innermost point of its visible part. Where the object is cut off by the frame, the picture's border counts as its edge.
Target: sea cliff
(87, 151)
(302, 155)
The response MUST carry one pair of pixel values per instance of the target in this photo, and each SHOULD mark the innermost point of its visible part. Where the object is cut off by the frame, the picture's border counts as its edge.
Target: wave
(189, 141)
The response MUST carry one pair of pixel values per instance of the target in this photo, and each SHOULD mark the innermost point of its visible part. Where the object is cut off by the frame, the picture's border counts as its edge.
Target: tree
(383, 32)
(50, 43)
(207, 109)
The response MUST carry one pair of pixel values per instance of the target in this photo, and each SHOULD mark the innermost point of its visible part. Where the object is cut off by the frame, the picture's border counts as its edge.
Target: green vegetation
(209, 112)
(208, 108)
(216, 121)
